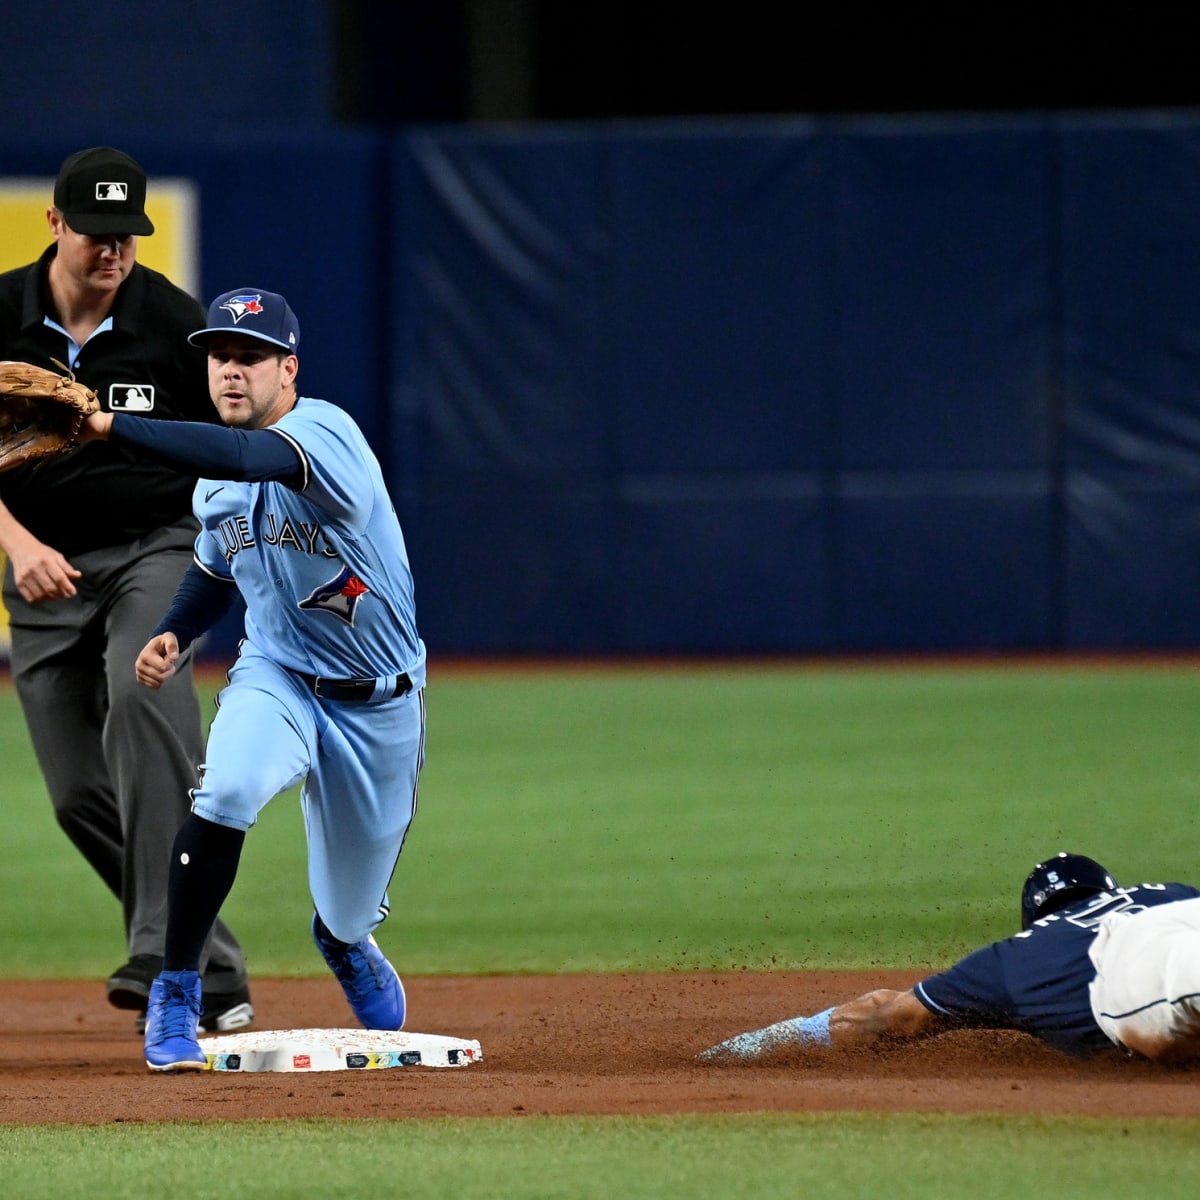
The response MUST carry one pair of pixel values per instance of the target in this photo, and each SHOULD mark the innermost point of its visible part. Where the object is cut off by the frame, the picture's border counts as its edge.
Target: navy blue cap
(252, 313)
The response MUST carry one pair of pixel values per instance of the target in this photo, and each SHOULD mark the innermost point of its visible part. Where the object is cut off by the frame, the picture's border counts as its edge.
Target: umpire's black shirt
(103, 494)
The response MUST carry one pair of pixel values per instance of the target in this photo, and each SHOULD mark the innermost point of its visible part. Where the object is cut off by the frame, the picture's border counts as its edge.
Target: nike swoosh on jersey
(211, 494)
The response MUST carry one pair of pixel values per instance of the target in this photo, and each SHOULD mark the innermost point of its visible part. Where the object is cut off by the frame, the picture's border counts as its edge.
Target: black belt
(352, 689)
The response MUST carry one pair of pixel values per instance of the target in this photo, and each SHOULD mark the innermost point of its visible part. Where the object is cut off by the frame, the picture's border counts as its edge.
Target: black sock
(326, 936)
(204, 863)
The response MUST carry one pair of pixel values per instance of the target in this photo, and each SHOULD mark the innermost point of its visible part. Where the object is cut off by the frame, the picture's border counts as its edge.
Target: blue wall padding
(753, 385)
(1130, 331)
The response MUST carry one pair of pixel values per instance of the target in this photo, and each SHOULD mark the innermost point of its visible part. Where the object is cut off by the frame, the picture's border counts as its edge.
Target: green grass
(716, 818)
(723, 817)
(760, 1157)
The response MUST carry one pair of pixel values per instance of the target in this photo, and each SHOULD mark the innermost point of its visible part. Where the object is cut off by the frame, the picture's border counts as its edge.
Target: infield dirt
(583, 1044)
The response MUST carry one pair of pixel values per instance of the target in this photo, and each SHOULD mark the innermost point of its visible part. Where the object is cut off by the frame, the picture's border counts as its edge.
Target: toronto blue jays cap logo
(253, 313)
(340, 596)
(240, 306)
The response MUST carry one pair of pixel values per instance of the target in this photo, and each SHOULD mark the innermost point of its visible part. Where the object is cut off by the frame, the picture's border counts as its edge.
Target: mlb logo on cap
(101, 192)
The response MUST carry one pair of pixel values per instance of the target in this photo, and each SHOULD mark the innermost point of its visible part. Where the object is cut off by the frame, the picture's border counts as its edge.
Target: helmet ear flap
(1059, 881)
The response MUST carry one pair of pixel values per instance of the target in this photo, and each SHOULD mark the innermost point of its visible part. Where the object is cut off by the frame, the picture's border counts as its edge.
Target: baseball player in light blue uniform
(328, 683)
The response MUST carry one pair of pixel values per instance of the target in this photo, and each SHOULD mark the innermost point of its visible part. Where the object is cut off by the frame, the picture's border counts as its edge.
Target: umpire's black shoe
(129, 986)
(226, 1011)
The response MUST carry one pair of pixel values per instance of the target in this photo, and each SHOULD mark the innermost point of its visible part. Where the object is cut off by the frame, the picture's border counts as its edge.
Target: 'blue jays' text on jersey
(1038, 980)
(323, 568)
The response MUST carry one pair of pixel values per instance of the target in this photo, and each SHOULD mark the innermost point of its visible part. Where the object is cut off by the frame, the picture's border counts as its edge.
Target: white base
(336, 1050)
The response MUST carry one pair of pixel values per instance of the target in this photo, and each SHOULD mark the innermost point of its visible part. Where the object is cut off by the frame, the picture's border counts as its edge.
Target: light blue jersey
(325, 576)
(323, 569)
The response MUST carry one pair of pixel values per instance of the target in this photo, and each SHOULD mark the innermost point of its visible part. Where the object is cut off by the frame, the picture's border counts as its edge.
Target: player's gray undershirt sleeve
(212, 451)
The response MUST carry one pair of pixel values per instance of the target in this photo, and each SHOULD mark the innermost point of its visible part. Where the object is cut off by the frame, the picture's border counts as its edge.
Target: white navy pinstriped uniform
(1148, 973)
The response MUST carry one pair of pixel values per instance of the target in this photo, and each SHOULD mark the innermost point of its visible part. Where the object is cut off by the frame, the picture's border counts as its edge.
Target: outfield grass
(718, 818)
(765, 816)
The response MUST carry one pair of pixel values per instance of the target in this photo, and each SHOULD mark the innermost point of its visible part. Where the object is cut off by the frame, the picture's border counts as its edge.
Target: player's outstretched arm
(156, 663)
(95, 427)
(862, 1022)
(210, 451)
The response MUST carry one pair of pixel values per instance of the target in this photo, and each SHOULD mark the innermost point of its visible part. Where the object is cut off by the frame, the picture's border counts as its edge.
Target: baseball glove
(40, 412)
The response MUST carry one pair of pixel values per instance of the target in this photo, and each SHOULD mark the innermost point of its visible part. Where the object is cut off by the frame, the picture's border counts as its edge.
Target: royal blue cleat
(172, 1019)
(370, 982)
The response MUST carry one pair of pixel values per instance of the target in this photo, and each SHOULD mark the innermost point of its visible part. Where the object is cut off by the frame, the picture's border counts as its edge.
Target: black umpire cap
(102, 191)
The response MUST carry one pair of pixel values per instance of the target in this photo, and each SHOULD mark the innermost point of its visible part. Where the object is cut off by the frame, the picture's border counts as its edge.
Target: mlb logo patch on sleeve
(130, 397)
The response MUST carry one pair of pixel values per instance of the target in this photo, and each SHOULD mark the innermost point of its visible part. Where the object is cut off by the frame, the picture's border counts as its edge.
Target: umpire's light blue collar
(253, 313)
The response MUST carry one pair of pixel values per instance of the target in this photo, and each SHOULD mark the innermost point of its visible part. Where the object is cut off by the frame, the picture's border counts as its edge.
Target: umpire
(96, 544)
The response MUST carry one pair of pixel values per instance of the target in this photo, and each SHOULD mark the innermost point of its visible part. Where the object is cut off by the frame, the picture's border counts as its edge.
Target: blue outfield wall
(796, 386)
(761, 386)
(1130, 334)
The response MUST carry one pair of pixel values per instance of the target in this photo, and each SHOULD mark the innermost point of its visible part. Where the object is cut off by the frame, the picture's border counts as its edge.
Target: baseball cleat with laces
(172, 1019)
(369, 981)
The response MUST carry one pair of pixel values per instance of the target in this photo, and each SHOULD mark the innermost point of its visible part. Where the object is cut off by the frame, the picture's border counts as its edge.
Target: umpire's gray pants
(119, 759)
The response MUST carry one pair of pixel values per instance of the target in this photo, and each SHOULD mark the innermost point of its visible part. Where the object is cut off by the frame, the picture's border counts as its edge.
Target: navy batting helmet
(1059, 881)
